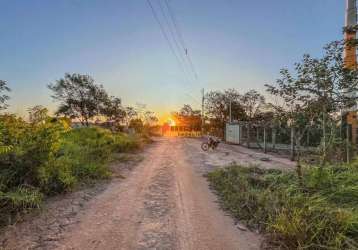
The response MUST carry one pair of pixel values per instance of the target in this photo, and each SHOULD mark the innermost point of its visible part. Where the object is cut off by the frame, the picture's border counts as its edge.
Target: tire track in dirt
(157, 226)
(164, 203)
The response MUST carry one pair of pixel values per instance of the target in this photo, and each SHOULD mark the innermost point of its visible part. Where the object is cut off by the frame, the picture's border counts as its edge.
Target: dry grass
(321, 214)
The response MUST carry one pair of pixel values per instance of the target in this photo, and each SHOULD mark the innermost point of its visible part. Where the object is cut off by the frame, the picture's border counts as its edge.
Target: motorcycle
(211, 143)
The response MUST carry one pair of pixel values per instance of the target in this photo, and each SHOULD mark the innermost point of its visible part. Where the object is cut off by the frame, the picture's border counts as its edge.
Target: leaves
(3, 97)
(252, 103)
(322, 83)
(217, 105)
(112, 108)
(38, 114)
(188, 117)
(79, 97)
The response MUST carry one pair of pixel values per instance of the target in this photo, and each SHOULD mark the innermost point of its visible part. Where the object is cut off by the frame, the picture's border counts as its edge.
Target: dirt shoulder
(43, 228)
(227, 154)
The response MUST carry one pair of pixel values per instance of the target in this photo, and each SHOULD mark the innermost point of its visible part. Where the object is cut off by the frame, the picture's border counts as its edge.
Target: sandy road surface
(164, 203)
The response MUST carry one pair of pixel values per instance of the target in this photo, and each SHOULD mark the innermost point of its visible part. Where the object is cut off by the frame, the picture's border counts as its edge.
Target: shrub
(32, 146)
(321, 215)
(48, 157)
(126, 143)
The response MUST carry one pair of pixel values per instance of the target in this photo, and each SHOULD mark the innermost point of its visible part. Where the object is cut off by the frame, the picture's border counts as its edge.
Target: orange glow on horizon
(171, 122)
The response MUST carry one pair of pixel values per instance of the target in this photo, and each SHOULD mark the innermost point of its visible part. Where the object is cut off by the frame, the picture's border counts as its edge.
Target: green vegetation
(45, 157)
(319, 213)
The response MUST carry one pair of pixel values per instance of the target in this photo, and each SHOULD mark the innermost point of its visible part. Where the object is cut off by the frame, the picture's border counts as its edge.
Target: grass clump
(321, 214)
(48, 157)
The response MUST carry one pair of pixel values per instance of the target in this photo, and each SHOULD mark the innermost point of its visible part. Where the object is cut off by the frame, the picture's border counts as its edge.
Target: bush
(31, 147)
(323, 214)
(48, 157)
(126, 143)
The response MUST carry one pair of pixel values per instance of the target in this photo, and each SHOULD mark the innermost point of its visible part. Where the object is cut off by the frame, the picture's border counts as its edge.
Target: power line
(172, 32)
(180, 36)
(193, 98)
(166, 36)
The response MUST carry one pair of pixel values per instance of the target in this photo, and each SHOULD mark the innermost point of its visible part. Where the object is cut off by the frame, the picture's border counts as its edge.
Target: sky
(239, 44)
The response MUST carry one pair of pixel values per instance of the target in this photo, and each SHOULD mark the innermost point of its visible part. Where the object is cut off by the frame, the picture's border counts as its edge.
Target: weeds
(48, 157)
(323, 214)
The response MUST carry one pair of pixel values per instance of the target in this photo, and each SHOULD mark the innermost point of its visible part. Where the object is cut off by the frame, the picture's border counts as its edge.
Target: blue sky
(238, 44)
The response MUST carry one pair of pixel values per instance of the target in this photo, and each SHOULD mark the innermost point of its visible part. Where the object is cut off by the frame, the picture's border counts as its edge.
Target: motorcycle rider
(212, 141)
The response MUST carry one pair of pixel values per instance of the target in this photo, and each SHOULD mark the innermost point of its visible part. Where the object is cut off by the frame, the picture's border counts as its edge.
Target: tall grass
(47, 158)
(321, 214)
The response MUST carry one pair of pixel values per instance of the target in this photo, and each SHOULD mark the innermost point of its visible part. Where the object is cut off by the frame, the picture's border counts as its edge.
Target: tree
(3, 97)
(113, 109)
(79, 96)
(319, 87)
(188, 117)
(252, 102)
(38, 114)
(217, 107)
(137, 125)
(323, 83)
(150, 118)
(187, 110)
(131, 113)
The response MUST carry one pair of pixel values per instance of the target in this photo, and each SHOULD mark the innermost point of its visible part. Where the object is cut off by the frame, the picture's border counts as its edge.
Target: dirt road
(164, 203)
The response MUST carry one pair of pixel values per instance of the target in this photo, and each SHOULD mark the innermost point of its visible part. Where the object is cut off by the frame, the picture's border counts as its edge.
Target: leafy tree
(187, 110)
(79, 96)
(319, 87)
(319, 83)
(3, 97)
(150, 118)
(131, 114)
(113, 109)
(252, 102)
(38, 114)
(137, 125)
(188, 117)
(217, 107)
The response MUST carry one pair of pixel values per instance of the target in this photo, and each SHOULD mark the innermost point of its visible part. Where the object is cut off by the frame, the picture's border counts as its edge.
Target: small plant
(16, 201)
(321, 214)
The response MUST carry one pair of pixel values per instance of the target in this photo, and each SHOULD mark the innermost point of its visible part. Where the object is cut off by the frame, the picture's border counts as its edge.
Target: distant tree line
(247, 107)
(82, 99)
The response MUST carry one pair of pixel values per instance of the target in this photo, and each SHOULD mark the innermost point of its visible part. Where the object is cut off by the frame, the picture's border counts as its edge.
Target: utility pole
(202, 111)
(350, 62)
